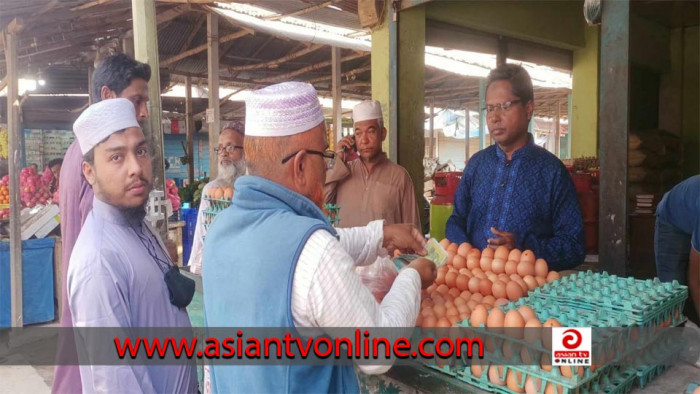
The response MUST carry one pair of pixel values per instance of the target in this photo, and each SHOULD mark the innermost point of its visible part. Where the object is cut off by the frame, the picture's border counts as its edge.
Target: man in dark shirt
(515, 193)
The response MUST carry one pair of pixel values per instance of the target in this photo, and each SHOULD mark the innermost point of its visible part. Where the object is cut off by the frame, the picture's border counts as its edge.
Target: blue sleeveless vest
(250, 254)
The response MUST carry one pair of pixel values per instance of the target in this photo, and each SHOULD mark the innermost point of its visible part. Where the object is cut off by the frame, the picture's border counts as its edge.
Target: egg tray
(217, 205)
(609, 380)
(647, 302)
(667, 350)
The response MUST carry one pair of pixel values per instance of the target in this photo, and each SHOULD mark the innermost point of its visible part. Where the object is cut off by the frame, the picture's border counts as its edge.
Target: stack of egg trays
(660, 355)
(648, 302)
(611, 380)
(614, 342)
(215, 206)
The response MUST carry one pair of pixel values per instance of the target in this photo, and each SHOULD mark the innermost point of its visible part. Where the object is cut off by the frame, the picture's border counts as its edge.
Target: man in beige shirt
(371, 187)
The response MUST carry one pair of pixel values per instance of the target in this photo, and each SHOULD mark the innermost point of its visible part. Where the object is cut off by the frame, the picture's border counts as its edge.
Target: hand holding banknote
(404, 237)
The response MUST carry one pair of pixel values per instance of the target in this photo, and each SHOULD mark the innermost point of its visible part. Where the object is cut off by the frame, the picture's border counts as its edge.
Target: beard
(230, 172)
(134, 214)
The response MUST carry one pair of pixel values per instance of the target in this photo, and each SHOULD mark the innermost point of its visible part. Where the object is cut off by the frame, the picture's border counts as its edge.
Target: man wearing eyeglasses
(273, 259)
(515, 193)
(231, 166)
(372, 187)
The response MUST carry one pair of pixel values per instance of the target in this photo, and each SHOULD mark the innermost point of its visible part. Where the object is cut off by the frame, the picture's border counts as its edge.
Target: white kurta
(326, 291)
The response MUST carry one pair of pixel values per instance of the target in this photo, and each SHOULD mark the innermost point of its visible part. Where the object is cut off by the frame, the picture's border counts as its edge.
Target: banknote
(436, 253)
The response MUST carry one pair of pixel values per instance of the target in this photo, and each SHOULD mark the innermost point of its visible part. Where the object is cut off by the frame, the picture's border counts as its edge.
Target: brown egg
(513, 290)
(439, 310)
(498, 289)
(553, 389)
(452, 269)
(496, 318)
(504, 278)
(530, 282)
(540, 281)
(491, 276)
(440, 278)
(515, 382)
(228, 193)
(516, 278)
(452, 247)
(501, 301)
(454, 320)
(454, 292)
(479, 316)
(568, 371)
(463, 316)
(489, 299)
(450, 257)
(452, 312)
(552, 322)
(474, 285)
(427, 311)
(419, 320)
(511, 267)
(501, 252)
(533, 385)
(459, 301)
(429, 321)
(515, 322)
(532, 331)
(466, 295)
(451, 279)
(498, 266)
(478, 297)
(464, 309)
(472, 304)
(527, 313)
(438, 299)
(474, 252)
(488, 252)
(443, 289)
(552, 276)
(445, 243)
(463, 249)
(444, 322)
(477, 370)
(449, 297)
(541, 268)
(514, 255)
(477, 272)
(427, 303)
(495, 374)
(546, 362)
(525, 355)
(525, 268)
(459, 262)
(472, 262)
(485, 287)
(485, 263)
(528, 256)
(462, 282)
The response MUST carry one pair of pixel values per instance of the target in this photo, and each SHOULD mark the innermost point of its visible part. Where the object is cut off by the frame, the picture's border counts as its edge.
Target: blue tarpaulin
(37, 282)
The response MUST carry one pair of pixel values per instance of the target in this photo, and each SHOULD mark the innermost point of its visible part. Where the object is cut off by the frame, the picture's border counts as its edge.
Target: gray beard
(230, 173)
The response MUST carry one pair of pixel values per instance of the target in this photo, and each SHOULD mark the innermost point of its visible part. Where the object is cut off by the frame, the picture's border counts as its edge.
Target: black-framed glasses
(227, 149)
(502, 106)
(328, 156)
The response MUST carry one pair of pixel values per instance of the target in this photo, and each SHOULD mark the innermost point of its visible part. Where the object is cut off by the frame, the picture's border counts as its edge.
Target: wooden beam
(90, 5)
(172, 13)
(195, 1)
(312, 67)
(431, 153)
(3, 83)
(276, 63)
(222, 101)
(193, 33)
(345, 75)
(146, 51)
(302, 11)
(190, 129)
(14, 137)
(214, 120)
(202, 48)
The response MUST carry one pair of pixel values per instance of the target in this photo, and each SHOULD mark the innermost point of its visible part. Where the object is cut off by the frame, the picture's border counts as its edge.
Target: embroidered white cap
(367, 110)
(283, 109)
(102, 119)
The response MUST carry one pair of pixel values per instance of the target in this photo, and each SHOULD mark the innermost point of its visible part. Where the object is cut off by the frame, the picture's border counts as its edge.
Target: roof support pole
(14, 131)
(336, 80)
(431, 153)
(189, 119)
(213, 119)
(614, 125)
(146, 51)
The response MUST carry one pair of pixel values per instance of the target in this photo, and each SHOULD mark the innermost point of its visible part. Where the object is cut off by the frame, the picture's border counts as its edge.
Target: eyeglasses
(503, 106)
(328, 156)
(227, 149)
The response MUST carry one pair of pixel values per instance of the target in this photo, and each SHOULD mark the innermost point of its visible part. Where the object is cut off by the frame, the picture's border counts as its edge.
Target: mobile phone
(354, 145)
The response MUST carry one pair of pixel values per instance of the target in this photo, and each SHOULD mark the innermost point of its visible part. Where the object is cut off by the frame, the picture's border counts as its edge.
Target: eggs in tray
(472, 282)
(220, 193)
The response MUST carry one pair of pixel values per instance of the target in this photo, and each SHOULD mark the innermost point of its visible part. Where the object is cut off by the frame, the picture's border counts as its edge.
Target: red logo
(571, 339)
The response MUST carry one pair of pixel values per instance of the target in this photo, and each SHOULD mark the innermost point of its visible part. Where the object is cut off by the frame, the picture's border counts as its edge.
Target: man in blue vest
(273, 260)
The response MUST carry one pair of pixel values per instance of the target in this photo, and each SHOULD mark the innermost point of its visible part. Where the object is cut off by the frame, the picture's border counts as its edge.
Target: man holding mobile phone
(372, 187)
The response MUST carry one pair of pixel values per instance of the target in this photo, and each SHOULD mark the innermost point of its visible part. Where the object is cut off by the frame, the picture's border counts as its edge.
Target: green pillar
(583, 120)
(482, 114)
(400, 90)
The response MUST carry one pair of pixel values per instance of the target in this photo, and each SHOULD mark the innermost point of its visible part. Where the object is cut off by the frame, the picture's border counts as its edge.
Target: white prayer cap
(367, 110)
(284, 109)
(102, 119)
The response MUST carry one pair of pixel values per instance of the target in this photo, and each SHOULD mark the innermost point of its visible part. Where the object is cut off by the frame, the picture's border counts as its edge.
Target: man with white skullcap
(372, 187)
(231, 166)
(273, 260)
(120, 275)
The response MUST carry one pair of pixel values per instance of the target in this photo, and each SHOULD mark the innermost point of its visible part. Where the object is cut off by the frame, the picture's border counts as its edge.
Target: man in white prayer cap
(117, 272)
(273, 260)
(372, 187)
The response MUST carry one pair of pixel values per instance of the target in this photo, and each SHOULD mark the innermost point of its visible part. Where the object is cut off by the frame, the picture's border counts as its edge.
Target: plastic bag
(378, 277)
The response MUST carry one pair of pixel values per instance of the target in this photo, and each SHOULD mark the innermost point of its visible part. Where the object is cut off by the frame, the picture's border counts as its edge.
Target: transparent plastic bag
(378, 277)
